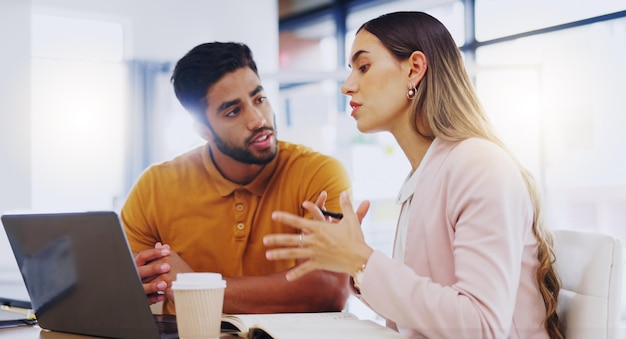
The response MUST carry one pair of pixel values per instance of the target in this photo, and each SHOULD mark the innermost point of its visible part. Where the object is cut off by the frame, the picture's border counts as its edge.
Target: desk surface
(35, 332)
(369, 330)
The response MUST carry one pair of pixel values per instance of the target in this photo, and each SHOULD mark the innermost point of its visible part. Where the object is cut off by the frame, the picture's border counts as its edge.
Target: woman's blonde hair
(446, 106)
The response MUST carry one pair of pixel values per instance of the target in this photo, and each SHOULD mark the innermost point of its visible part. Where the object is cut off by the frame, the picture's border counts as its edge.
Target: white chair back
(590, 268)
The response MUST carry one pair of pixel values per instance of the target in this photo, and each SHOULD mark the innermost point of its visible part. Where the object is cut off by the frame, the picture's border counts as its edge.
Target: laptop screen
(80, 274)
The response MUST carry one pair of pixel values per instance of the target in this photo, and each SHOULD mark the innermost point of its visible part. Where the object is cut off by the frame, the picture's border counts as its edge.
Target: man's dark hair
(202, 67)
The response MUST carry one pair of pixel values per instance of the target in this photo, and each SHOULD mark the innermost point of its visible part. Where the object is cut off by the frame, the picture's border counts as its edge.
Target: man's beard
(242, 154)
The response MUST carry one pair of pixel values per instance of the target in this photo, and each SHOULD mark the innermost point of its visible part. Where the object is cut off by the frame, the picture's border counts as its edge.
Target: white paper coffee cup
(198, 298)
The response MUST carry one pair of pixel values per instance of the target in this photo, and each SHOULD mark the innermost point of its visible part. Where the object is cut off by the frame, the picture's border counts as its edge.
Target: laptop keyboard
(166, 323)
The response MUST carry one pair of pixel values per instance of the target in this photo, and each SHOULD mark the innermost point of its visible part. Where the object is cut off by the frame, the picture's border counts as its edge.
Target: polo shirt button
(239, 207)
(240, 226)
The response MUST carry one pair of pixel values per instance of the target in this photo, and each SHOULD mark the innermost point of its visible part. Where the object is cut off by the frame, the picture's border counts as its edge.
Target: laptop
(81, 277)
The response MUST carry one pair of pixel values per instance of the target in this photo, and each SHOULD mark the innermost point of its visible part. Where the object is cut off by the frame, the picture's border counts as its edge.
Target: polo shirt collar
(226, 187)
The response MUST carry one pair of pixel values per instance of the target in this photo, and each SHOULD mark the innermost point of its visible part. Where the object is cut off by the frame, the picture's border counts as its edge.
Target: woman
(472, 258)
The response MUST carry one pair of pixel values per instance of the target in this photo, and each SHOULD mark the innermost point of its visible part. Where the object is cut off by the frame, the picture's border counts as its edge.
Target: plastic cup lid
(198, 280)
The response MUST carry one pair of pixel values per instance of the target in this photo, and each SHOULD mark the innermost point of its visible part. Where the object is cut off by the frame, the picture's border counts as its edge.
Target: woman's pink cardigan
(471, 256)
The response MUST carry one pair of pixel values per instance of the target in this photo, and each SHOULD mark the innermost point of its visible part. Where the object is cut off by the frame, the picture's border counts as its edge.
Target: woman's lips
(355, 107)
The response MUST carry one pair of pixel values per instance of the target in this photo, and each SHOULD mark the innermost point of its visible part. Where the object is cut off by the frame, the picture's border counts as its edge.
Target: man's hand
(151, 268)
(175, 265)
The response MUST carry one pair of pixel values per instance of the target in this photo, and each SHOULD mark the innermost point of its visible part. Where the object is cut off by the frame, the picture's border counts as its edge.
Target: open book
(326, 325)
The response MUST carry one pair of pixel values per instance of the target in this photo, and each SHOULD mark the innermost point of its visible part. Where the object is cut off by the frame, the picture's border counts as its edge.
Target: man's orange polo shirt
(218, 226)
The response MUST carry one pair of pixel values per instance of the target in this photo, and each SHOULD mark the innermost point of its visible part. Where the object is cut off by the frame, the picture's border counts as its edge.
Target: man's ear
(418, 67)
(203, 130)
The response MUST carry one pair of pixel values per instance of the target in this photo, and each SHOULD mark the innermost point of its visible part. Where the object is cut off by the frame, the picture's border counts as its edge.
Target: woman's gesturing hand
(333, 246)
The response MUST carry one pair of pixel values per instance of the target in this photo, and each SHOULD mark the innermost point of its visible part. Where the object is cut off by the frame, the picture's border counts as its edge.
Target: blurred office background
(86, 103)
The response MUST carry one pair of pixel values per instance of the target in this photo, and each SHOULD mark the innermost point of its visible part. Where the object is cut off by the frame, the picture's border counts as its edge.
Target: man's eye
(232, 113)
(261, 99)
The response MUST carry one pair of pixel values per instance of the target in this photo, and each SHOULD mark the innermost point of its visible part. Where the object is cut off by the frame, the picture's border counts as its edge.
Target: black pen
(332, 214)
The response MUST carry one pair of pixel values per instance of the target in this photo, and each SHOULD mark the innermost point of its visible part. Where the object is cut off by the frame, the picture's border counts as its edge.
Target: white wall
(157, 30)
(14, 104)
(15, 156)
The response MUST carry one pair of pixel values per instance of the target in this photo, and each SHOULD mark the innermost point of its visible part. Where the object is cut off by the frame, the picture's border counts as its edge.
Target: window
(309, 49)
(499, 18)
(558, 102)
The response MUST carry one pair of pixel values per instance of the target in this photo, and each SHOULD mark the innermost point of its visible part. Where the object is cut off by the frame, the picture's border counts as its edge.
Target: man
(208, 209)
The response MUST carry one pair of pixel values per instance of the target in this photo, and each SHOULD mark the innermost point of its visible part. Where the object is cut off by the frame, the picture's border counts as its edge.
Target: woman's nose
(347, 87)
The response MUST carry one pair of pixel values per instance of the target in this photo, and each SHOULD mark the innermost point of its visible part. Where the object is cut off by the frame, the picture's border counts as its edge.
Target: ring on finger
(300, 240)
